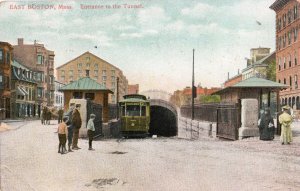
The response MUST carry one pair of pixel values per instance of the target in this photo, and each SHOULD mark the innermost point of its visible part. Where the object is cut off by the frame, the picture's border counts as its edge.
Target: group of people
(46, 116)
(267, 127)
(69, 129)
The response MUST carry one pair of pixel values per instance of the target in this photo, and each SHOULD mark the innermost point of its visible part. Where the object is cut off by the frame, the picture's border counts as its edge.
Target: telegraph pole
(117, 97)
(193, 82)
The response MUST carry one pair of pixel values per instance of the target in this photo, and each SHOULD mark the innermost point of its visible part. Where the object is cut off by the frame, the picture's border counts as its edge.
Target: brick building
(6, 52)
(231, 81)
(100, 70)
(40, 60)
(288, 49)
(133, 89)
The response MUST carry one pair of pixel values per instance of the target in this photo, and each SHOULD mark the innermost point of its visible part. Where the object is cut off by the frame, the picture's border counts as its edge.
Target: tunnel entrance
(163, 122)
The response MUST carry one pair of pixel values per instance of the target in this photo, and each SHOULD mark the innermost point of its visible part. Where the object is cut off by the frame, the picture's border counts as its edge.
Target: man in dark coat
(76, 122)
(70, 125)
(44, 115)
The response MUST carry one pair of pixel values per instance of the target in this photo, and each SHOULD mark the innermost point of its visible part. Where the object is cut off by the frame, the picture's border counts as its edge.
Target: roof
(18, 65)
(130, 100)
(19, 73)
(89, 54)
(85, 83)
(261, 61)
(278, 4)
(255, 82)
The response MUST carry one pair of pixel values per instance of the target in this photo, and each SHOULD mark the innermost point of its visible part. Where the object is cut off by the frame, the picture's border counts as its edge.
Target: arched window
(296, 81)
(290, 60)
(295, 58)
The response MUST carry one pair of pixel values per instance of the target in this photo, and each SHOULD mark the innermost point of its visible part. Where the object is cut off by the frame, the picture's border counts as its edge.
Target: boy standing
(62, 137)
(91, 130)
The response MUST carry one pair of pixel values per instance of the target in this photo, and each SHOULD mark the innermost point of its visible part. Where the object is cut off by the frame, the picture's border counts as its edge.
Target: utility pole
(193, 82)
(117, 97)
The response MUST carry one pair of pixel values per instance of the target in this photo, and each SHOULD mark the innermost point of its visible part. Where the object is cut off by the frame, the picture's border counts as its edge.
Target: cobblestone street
(29, 161)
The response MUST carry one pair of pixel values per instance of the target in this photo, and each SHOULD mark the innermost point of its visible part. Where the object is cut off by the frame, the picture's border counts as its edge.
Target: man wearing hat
(285, 119)
(76, 122)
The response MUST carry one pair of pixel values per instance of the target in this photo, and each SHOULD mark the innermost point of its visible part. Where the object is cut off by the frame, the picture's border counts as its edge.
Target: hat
(286, 107)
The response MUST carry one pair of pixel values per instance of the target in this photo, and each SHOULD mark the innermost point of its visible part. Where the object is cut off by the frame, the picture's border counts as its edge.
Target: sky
(152, 45)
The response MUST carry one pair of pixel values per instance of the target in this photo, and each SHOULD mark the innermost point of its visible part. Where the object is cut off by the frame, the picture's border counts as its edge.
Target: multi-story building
(98, 69)
(59, 96)
(133, 89)
(6, 52)
(23, 95)
(288, 49)
(40, 60)
(260, 68)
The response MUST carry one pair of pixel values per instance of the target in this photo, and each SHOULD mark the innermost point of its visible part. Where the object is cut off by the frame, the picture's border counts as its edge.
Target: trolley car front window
(132, 110)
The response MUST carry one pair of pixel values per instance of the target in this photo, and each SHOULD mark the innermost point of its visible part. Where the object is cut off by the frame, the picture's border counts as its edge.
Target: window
(279, 81)
(284, 81)
(96, 66)
(39, 76)
(113, 78)
(296, 81)
(77, 95)
(95, 72)
(295, 58)
(70, 73)
(279, 64)
(291, 82)
(289, 16)
(295, 12)
(113, 72)
(39, 92)
(284, 19)
(284, 63)
(290, 61)
(90, 96)
(79, 65)
(7, 58)
(1, 55)
(40, 59)
(103, 78)
(87, 59)
(289, 37)
(103, 72)
(295, 34)
(62, 72)
(88, 65)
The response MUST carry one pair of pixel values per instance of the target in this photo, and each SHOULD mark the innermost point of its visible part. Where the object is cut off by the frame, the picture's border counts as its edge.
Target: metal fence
(202, 112)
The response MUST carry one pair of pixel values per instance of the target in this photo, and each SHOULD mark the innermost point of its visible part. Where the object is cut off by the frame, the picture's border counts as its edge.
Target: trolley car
(135, 115)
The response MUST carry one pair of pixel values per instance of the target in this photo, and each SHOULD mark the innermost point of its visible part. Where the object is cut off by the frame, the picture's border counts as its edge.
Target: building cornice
(278, 4)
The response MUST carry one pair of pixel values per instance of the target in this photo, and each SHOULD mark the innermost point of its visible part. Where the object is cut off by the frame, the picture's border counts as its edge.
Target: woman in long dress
(266, 126)
(285, 119)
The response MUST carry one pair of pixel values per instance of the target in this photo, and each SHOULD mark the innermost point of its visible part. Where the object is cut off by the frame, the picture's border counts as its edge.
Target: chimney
(87, 73)
(20, 41)
(228, 76)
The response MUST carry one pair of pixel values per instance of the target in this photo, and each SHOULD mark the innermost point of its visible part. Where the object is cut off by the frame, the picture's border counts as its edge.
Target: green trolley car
(135, 115)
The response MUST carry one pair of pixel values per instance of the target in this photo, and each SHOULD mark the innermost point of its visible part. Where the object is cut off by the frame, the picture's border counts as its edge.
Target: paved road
(29, 161)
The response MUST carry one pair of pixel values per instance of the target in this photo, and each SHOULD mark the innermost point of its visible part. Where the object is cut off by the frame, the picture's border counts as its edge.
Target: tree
(209, 99)
(271, 71)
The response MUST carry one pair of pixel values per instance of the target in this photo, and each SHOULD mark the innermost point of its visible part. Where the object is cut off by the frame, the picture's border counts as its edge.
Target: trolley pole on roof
(193, 81)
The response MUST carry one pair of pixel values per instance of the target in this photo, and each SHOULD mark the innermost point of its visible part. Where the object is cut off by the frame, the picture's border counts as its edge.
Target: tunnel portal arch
(163, 118)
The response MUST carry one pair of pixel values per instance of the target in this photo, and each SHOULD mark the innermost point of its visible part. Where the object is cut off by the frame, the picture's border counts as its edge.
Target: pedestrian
(62, 131)
(266, 125)
(60, 114)
(285, 119)
(91, 130)
(70, 126)
(49, 116)
(76, 122)
(44, 115)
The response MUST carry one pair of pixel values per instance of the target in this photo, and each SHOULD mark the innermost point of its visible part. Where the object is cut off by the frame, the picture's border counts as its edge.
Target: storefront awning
(20, 91)
(23, 89)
